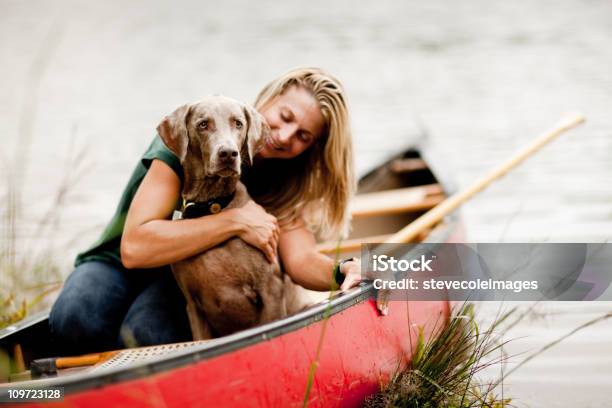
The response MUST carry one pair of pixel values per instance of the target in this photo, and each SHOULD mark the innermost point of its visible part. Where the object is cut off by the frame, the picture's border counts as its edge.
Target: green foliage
(443, 368)
(30, 259)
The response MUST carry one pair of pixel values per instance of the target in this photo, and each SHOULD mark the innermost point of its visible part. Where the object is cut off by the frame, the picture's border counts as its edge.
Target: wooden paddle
(425, 222)
(48, 367)
(435, 215)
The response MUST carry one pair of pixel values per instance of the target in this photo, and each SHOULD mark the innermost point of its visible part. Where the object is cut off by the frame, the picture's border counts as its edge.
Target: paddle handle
(84, 360)
(436, 214)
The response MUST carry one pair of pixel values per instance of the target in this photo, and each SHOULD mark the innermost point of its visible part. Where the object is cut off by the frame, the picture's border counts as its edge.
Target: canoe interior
(390, 197)
(30, 339)
(385, 178)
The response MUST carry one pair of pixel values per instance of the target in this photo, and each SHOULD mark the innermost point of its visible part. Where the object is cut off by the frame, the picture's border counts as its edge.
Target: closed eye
(304, 137)
(286, 116)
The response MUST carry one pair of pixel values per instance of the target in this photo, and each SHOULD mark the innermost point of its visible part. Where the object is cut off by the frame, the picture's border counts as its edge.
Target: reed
(443, 369)
(28, 274)
(31, 258)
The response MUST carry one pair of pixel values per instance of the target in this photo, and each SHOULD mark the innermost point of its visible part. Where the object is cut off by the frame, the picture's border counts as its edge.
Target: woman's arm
(150, 240)
(313, 270)
(308, 267)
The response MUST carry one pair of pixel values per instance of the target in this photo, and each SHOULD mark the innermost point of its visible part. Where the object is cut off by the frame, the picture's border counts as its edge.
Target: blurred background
(84, 85)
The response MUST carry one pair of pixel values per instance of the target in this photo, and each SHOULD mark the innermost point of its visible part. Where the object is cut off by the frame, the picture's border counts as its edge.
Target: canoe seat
(400, 166)
(380, 203)
(349, 245)
(396, 201)
(354, 245)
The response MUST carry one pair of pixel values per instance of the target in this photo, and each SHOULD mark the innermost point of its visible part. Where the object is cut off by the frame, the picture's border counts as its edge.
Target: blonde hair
(318, 183)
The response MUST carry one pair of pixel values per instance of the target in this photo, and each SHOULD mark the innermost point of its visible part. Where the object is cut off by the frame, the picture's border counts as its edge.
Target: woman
(122, 291)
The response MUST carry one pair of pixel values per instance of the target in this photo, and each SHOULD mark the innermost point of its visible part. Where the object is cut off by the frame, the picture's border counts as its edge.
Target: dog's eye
(203, 125)
(238, 124)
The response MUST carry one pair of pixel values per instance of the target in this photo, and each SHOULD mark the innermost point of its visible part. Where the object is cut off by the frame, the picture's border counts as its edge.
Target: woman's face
(295, 121)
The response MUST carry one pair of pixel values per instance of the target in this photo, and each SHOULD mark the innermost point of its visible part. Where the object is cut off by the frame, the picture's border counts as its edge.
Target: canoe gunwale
(316, 313)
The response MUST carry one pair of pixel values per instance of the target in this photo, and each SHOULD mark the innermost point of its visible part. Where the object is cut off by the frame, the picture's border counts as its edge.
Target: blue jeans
(104, 307)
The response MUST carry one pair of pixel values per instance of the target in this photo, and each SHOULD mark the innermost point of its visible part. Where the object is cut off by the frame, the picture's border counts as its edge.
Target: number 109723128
(31, 394)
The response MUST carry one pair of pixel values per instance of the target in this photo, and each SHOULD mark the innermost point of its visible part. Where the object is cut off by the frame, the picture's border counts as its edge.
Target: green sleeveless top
(106, 248)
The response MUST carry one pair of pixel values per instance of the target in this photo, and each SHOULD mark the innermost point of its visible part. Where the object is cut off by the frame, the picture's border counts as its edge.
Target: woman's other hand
(258, 228)
(352, 273)
(352, 278)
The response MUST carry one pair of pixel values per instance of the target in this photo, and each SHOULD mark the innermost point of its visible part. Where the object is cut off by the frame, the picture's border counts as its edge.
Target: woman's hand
(258, 228)
(352, 278)
(352, 274)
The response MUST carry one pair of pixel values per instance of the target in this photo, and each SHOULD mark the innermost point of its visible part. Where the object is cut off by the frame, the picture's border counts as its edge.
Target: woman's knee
(71, 319)
(156, 316)
(91, 306)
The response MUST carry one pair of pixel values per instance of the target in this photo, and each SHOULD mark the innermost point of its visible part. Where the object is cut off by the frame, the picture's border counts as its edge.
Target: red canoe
(268, 366)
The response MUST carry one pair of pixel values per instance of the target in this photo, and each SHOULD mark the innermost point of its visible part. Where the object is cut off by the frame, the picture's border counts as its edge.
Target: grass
(314, 365)
(31, 260)
(443, 369)
(28, 274)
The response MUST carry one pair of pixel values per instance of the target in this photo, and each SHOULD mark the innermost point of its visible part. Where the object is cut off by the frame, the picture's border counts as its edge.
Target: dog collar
(199, 209)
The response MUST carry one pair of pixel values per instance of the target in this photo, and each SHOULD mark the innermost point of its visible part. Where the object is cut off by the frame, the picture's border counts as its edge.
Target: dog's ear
(173, 131)
(257, 132)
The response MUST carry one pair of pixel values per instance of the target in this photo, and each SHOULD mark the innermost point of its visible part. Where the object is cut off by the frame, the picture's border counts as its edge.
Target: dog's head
(215, 136)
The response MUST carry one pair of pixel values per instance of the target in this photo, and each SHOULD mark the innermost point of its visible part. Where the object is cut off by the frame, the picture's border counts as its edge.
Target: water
(484, 78)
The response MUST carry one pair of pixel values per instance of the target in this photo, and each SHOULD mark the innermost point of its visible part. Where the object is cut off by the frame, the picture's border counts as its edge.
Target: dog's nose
(227, 154)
